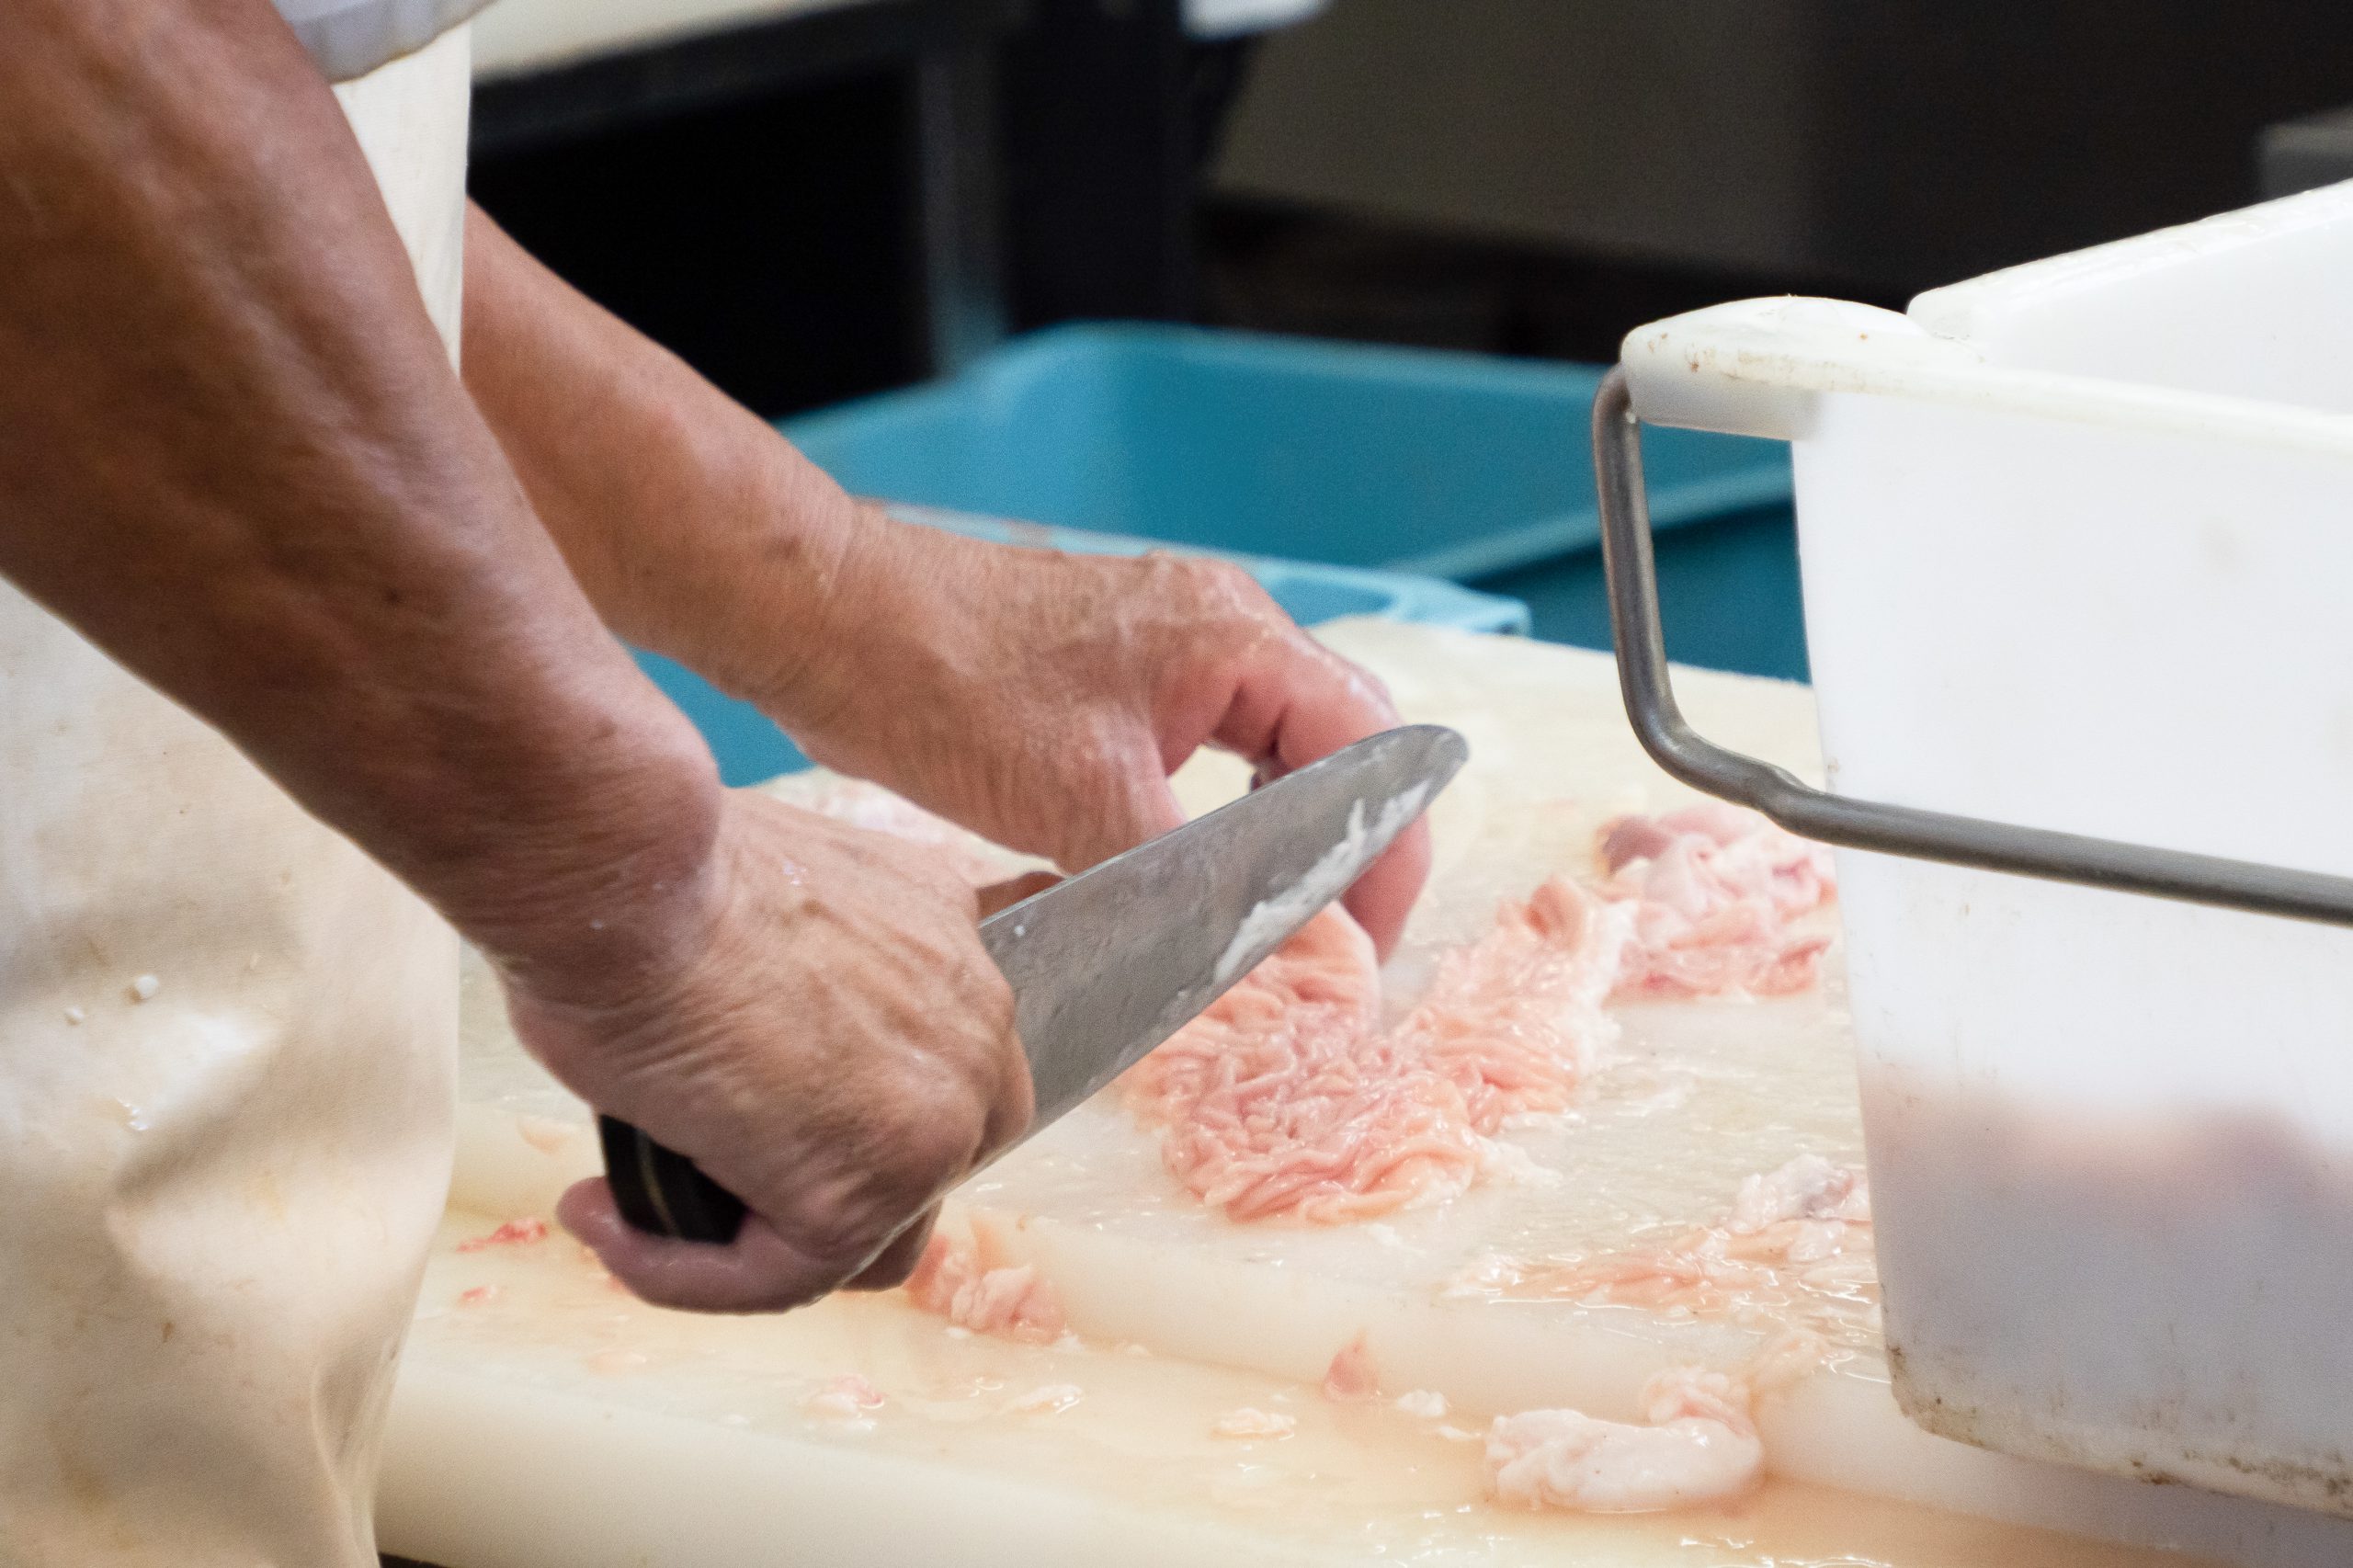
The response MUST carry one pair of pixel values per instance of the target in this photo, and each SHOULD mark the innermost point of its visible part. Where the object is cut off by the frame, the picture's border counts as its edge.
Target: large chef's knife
(1112, 962)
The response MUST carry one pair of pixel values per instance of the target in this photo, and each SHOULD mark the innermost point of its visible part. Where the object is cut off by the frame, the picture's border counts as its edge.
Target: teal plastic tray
(1450, 465)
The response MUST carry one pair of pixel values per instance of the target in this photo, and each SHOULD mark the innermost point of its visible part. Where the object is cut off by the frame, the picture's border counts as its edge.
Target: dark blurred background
(1522, 177)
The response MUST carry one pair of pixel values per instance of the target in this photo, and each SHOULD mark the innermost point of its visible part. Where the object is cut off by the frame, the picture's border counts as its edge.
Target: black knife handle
(661, 1192)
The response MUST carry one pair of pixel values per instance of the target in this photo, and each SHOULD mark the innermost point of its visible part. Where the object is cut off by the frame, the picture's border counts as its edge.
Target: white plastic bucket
(2077, 546)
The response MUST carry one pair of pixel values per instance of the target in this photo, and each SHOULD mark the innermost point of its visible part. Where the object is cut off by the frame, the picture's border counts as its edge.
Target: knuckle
(951, 889)
(969, 1009)
(1373, 687)
(1223, 586)
(933, 1141)
(1015, 1108)
(932, 874)
(993, 1006)
(1188, 582)
(837, 1240)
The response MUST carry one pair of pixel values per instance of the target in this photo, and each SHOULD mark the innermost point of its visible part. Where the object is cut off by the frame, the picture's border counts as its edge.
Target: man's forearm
(1038, 698)
(234, 455)
(696, 529)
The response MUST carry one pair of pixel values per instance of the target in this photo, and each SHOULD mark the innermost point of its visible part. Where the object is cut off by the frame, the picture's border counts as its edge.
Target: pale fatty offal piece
(1248, 1422)
(846, 1397)
(545, 1133)
(1698, 1444)
(1795, 1252)
(1717, 890)
(1423, 1404)
(1809, 1188)
(1286, 1096)
(961, 1277)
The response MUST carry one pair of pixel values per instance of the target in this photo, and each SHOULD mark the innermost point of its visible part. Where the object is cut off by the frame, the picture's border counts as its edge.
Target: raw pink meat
(515, 1232)
(1514, 1019)
(1287, 1097)
(1717, 892)
(961, 1278)
(1352, 1375)
(1700, 1444)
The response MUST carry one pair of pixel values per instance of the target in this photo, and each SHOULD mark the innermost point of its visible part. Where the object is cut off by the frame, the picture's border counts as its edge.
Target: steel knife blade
(1108, 964)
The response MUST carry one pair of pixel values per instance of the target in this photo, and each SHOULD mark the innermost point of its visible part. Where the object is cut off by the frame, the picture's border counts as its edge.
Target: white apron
(226, 1054)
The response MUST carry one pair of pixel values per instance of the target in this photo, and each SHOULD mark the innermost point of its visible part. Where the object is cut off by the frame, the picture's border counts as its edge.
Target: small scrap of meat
(1248, 1422)
(1274, 1099)
(480, 1296)
(1352, 1375)
(545, 1133)
(515, 1232)
(1423, 1404)
(1514, 1020)
(1698, 1444)
(846, 1398)
(959, 1278)
(1808, 1189)
(1787, 1361)
(1717, 890)
(1287, 1097)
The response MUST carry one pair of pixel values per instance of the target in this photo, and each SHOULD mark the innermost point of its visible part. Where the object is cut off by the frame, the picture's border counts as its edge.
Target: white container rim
(1760, 367)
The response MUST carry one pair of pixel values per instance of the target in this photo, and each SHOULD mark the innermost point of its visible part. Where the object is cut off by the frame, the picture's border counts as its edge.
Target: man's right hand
(832, 1045)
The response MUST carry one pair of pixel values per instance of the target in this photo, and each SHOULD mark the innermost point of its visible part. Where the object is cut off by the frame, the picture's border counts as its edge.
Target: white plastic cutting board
(558, 1422)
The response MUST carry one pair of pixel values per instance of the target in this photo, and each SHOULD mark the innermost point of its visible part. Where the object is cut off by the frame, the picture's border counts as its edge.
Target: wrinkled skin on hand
(830, 1043)
(1042, 699)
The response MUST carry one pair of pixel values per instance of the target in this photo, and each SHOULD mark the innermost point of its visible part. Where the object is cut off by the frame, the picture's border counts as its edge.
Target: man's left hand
(1042, 699)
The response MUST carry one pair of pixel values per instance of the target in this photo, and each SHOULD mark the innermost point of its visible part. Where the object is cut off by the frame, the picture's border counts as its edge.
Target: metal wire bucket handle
(1862, 824)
